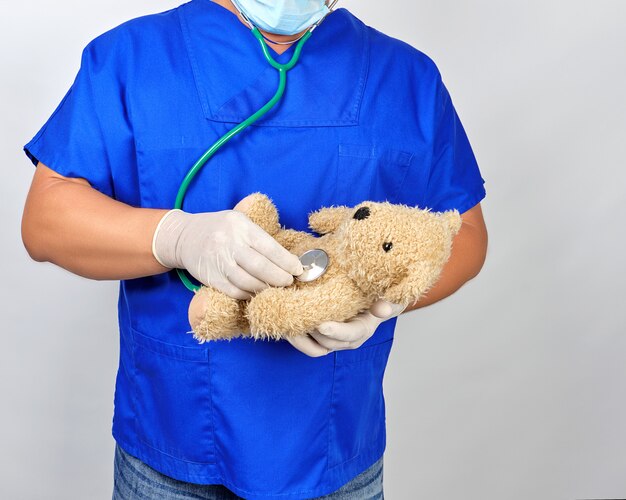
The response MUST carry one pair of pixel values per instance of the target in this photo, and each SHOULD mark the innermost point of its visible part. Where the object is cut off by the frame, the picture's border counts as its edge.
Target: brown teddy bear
(375, 250)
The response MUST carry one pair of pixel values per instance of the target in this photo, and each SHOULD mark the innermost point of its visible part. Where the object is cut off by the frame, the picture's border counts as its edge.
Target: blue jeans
(134, 480)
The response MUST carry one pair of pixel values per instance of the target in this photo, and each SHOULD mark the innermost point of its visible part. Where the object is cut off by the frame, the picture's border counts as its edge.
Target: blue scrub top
(365, 116)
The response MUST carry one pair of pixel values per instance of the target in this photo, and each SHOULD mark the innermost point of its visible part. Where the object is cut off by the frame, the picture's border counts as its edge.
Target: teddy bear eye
(387, 246)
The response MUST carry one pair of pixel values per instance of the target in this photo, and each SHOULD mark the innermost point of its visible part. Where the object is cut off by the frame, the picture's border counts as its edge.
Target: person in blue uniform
(364, 117)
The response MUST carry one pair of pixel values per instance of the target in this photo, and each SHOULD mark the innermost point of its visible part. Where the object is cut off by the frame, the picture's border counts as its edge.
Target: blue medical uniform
(365, 116)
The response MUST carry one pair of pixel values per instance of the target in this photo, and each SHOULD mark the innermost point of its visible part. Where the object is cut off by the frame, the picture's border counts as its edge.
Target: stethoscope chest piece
(315, 263)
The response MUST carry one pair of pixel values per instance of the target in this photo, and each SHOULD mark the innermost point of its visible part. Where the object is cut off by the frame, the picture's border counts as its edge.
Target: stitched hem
(337, 477)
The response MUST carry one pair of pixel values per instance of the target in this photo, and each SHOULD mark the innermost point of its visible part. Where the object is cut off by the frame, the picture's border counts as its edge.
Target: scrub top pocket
(357, 420)
(173, 399)
(162, 169)
(373, 173)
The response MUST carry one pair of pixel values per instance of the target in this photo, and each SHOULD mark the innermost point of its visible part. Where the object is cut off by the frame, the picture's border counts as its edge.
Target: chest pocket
(162, 169)
(367, 172)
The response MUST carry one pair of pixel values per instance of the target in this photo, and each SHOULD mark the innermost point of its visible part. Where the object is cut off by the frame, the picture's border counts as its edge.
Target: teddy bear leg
(213, 315)
(277, 313)
(269, 314)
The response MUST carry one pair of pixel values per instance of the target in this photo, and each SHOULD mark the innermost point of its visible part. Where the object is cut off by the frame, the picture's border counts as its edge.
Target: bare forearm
(466, 260)
(82, 230)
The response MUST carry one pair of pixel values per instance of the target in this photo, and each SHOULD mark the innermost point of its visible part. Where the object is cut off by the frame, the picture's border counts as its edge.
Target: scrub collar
(233, 78)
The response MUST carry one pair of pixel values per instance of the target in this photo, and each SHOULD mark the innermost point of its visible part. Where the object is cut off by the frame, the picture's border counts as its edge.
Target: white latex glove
(351, 334)
(225, 250)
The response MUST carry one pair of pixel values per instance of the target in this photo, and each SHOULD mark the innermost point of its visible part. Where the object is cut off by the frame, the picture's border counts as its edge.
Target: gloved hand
(351, 334)
(225, 250)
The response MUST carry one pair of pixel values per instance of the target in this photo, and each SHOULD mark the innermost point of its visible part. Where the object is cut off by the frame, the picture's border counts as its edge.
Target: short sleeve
(72, 142)
(454, 179)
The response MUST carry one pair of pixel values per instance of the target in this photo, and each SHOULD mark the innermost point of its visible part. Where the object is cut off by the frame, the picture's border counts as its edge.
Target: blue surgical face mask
(283, 17)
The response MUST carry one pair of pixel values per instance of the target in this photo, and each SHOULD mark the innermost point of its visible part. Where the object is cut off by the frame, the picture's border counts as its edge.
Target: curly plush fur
(376, 250)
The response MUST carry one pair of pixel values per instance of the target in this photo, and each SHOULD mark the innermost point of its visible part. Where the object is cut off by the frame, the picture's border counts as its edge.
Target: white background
(512, 388)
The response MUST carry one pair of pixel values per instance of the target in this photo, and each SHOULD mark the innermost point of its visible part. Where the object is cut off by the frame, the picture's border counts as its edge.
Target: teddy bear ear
(328, 219)
(452, 219)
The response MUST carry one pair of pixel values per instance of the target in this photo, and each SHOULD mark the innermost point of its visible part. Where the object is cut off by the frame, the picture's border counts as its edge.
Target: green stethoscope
(314, 261)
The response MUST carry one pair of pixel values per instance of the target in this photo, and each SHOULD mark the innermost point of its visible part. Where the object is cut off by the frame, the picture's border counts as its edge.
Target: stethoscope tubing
(282, 72)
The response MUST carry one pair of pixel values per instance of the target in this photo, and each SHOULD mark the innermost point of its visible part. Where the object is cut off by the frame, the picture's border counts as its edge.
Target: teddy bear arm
(261, 210)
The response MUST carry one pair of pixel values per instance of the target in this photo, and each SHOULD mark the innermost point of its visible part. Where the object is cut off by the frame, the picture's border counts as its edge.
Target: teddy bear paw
(213, 315)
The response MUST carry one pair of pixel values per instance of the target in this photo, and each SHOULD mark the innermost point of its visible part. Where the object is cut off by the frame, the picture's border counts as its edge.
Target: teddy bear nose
(362, 213)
